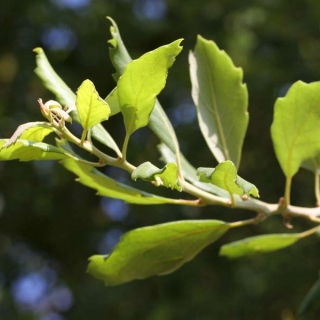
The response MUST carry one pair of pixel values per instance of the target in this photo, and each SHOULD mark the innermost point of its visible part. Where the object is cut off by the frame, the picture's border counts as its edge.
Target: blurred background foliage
(50, 224)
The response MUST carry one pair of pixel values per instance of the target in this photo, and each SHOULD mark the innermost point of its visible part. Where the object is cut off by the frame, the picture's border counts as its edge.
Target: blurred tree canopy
(50, 225)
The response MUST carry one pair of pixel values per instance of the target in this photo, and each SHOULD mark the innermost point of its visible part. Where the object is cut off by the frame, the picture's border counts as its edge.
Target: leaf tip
(37, 50)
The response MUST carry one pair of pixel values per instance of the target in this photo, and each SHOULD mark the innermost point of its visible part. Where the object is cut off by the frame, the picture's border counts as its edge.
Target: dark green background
(50, 225)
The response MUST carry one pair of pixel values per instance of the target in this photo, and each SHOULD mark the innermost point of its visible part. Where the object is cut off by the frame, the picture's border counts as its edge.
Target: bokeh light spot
(59, 38)
(115, 209)
(150, 9)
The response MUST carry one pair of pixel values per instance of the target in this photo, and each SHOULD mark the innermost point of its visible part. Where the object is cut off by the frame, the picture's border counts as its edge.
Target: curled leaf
(224, 175)
(167, 176)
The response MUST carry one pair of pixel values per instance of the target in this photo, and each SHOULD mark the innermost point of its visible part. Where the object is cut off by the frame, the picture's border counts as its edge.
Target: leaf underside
(225, 176)
(155, 250)
(168, 175)
(221, 99)
(105, 186)
(259, 244)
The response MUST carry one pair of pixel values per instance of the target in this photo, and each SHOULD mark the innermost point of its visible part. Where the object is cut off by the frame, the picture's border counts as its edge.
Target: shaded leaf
(113, 101)
(25, 150)
(312, 165)
(118, 52)
(221, 99)
(91, 108)
(167, 176)
(105, 186)
(258, 244)
(142, 80)
(295, 129)
(224, 175)
(310, 300)
(155, 250)
(52, 81)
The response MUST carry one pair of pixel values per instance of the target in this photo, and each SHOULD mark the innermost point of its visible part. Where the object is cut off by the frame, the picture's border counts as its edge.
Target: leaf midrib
(174, 238)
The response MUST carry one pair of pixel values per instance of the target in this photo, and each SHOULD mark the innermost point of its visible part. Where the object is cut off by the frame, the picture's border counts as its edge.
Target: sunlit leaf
(258, 244)
(295, 129)
(25, 150)
(66, 97)
(224, 175)
(167, 176)
(37, 133)
(158, 122)
(155, 250)
(91, 108)
(105, 186)
(34, 131)
(221, 99)
(142, 80)
(310, 300)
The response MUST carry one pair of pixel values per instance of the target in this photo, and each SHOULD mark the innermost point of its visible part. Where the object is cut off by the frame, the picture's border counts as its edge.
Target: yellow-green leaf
(155, 250)
(91, 177)
(258, 244)
(295, 129)
(142, 80)
(167, 176)
(25, 150)
(91, 108)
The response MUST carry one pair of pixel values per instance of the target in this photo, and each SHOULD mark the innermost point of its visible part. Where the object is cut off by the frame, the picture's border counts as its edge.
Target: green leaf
(155, 250)
(258, 244)
(91, 177)
(221, 99)
(167, 176)
(52, 81)
(295, 129)
(34, 131)
(189, 172)
(25, 150)
(224, 175)
(113, 101)
(312, 165)
(65, 95)
(103, 136)
(91, 108)
(37, 133)
(142, 80)
(158, 122)
(118, 52)
(310, 300)
(162, 128)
